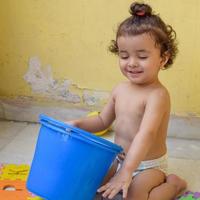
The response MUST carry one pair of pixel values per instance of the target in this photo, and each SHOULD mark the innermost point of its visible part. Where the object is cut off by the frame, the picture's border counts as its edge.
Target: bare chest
(131, 107)
(129, 110)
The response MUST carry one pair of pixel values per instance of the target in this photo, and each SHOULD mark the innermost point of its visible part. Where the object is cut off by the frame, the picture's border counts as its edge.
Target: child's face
(139, 58)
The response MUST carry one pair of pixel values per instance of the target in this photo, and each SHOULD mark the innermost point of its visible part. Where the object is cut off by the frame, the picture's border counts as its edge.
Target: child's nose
(132, 63)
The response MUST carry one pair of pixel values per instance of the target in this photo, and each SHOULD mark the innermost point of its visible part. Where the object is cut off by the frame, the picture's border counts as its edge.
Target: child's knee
(165, 192)
(137, 193)
(143, 183)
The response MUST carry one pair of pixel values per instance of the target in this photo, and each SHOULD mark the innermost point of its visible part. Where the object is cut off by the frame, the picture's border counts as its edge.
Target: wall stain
(42, 82)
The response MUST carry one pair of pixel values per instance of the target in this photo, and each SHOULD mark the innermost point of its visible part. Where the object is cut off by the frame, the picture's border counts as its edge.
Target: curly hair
(143, 20)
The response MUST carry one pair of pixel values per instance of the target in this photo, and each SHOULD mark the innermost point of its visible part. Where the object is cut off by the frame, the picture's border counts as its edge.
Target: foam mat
(13, 182)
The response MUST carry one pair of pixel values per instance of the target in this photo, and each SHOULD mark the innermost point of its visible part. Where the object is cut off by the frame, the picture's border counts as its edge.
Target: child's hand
(72, 122)
(121, 181)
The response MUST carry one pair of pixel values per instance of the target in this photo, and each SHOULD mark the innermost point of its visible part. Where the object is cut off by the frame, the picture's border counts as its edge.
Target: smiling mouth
(135, 72)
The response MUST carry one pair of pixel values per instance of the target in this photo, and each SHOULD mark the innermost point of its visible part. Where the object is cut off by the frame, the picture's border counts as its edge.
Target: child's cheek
(122, 63)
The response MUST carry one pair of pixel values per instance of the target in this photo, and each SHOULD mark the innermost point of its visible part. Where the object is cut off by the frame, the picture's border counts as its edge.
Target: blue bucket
(69, 163)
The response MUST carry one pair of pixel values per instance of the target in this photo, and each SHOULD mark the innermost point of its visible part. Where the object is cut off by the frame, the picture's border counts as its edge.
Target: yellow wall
(72, 38)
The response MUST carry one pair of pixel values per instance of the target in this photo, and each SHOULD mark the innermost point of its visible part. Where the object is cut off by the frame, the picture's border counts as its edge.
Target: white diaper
(159, 163)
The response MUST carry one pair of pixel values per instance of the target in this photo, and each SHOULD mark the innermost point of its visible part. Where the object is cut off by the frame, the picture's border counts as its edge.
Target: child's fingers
(107, 193)
(125, 192)
(113, 193)
(70, 123)
(104, 187)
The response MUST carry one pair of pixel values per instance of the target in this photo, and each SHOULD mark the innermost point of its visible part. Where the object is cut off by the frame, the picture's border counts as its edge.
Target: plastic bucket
(69, 163)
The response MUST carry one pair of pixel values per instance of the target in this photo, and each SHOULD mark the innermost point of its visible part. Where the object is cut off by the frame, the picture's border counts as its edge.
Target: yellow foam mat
(14, 177)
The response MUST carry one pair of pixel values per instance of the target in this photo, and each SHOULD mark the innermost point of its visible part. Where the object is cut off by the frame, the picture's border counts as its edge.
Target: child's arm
(100, 122)
(155, 109)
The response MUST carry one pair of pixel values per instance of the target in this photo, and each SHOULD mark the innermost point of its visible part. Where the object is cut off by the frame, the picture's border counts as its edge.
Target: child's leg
(143, 183)
(177, 182)
(168, 190)
(111, 172)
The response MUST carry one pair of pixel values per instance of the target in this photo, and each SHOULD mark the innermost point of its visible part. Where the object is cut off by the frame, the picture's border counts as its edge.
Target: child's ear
(164, 60)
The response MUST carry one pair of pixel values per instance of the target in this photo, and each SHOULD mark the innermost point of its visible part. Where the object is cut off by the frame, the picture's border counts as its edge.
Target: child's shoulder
(159, 93)
(160, 90)
(120, 86)
(119, 89)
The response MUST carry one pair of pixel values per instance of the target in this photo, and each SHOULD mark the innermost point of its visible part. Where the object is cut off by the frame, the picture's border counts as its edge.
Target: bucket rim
(70, 129)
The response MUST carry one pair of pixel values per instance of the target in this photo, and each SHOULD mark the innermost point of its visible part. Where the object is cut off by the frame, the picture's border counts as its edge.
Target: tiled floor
(18, 139)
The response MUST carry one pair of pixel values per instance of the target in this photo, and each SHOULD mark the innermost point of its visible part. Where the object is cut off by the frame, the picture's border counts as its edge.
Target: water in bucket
(69, 163)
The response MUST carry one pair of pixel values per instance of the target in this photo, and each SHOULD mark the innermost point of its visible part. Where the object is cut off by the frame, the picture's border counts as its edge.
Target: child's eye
(124, 57)
(143, 57)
